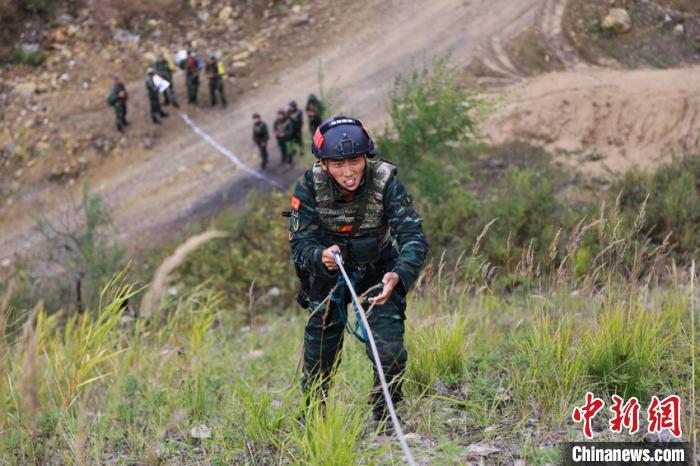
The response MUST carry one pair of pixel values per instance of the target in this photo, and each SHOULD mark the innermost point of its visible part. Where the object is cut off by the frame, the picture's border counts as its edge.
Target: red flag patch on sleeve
(296, 203)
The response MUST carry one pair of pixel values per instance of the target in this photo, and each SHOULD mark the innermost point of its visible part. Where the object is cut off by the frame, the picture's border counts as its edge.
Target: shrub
(433, 121)
(24, 57)
(254, 259)
(85, 251)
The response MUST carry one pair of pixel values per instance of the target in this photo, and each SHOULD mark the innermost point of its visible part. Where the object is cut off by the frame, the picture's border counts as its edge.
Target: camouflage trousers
(285, 151)
(192, 84)
(216, 86)
(323, 341)
(120, 110)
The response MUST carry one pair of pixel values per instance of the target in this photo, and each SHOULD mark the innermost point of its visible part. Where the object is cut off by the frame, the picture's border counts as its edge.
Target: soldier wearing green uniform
(191, 67)
(153, 97)
(260, 136)
(283, 133)
(296, 119)
(314, 112)
(357, 206)
(165, 71)
(117, 99)
(216, 81)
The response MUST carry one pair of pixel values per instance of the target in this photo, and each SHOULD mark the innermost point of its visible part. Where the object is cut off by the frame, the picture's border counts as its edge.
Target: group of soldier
(160, 81)
(288, 128)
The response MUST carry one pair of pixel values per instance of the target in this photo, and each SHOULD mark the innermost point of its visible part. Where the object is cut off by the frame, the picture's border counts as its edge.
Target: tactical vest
(360, 236)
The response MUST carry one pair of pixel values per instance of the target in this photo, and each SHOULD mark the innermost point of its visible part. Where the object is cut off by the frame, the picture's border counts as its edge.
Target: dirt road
(184, 177)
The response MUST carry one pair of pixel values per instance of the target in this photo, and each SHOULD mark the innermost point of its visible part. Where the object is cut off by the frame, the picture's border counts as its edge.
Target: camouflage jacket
(308, 238)
(260, 133)
(283, 129)
(296, 118)
(212, 70)
(151, 88)
(163, 70)
(114, 98)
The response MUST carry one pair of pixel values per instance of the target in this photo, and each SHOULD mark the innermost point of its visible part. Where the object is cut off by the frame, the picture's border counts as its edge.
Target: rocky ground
(55, 123)
(154, 177)
(57, 131)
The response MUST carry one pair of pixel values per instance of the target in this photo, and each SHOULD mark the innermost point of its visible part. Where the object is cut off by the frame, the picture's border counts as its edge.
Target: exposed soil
(150, 191)
(602, 120)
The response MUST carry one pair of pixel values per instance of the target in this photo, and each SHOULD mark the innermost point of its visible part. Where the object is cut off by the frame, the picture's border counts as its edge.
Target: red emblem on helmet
(318, 139)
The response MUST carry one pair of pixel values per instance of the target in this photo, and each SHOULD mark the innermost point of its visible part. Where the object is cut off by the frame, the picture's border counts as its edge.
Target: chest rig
(359, 227)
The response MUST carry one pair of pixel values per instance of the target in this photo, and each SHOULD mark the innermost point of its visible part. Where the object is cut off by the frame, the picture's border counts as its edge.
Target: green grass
(482, 369)
(23, 57)
(507, 328)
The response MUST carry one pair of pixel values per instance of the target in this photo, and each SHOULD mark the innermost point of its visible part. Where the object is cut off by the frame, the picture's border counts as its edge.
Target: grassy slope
(498, 371)
(493, 370)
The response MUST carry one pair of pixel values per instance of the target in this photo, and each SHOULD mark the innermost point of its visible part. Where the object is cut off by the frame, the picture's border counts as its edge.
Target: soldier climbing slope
(356, 206)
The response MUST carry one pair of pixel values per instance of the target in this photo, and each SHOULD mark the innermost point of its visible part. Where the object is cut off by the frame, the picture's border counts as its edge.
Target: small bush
(255, 258)
(24, 57)
(433, 121)
(86, 252)
(437, 351)
(550, 376)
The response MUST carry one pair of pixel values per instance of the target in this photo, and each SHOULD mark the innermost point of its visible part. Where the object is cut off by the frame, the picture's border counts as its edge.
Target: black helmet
(342, 138)
(293, 103)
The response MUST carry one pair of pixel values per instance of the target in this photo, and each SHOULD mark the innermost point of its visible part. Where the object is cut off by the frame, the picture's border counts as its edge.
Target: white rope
(377, 362)
(228, 153)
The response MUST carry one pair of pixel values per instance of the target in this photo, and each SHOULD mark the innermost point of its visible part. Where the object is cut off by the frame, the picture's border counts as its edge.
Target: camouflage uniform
(117, 99)
(154, 100)
(314, 111)
(260, 136)
(216, 82)
(296, 119)
(165, 71)
(191, 78)
(283, 133)
(388, 238)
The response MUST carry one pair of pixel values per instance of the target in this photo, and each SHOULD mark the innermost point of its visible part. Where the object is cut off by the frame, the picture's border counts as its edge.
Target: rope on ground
(378, 364)
(227, 153)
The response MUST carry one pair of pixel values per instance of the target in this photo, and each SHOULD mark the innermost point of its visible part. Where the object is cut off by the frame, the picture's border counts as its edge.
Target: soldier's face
(347, 173)
(256, 120)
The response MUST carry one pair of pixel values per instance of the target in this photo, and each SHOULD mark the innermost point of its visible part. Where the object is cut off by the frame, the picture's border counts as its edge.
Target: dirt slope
(604, 120)
(185, 176)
